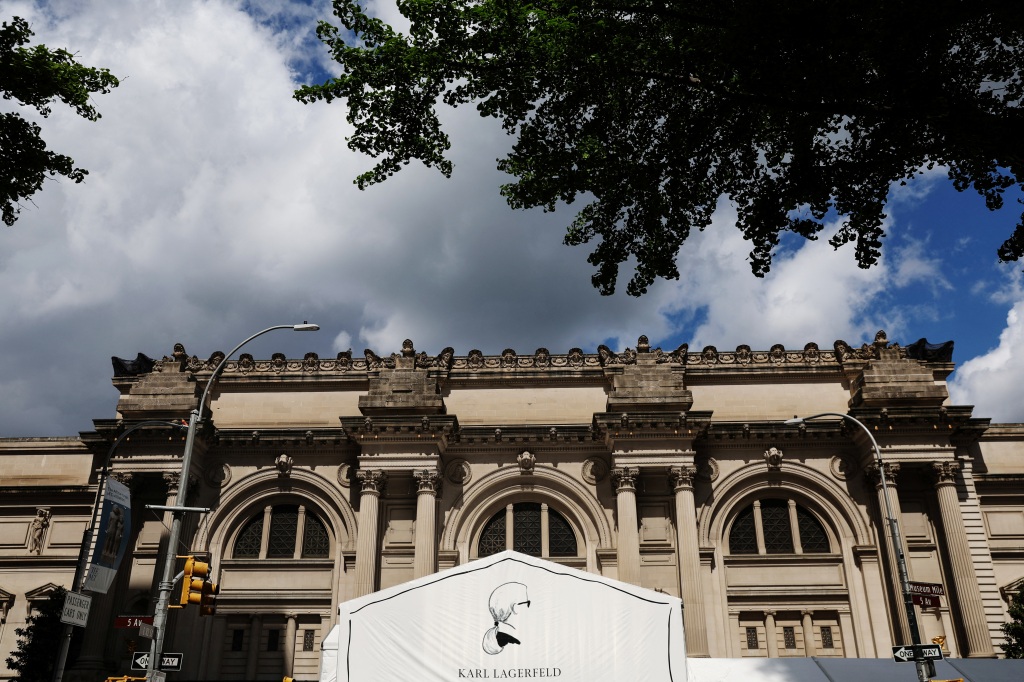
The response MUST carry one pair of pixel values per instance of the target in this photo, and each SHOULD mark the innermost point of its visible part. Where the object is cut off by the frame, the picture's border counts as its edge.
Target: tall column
(972, 612)
(289, 644)
(689, 562)
(808, 628)
(771, 635)
(213, 658)
(367, 547)
(252, 656)
(628, 555)
(898, 613)
(425, 561)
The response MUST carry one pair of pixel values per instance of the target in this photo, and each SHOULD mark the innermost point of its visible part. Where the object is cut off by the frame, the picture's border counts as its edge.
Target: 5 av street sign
(905, 653)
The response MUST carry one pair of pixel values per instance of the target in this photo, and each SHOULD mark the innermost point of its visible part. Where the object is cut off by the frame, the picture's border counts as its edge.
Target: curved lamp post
(894, 532)
(83, 551)
(167, 582)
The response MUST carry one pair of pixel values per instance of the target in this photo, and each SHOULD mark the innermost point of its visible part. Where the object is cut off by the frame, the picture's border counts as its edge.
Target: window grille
(492, 540)
(526, 528)
(248, 544)
(308, 639)
(826, 637)
(561, 538)
(316, 543)
(789, 637)
(283, 523)
(752, 638)
(777, 530)
(273, 640)
(527, 532)
(813, 538)
(778, 537)
(284, 526)
(743, 538)
(237, 637)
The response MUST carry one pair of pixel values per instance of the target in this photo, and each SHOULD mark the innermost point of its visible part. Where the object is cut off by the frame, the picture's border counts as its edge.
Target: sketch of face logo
(503, 603)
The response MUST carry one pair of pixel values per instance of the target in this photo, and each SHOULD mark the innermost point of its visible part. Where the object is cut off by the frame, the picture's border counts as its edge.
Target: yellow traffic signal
(208, 600)
(195, 576)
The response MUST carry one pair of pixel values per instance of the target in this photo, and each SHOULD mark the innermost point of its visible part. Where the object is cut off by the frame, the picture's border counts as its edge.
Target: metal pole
(83, 551)
(167, 583)
(894, 532)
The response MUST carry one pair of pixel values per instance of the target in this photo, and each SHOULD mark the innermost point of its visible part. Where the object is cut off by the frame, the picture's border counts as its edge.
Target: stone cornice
(741, 361)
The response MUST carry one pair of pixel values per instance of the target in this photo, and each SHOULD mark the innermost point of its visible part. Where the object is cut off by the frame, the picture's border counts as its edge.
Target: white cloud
(992, 382)
(217, 205)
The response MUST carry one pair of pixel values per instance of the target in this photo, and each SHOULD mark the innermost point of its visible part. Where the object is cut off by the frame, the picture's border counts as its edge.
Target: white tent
(508, 616)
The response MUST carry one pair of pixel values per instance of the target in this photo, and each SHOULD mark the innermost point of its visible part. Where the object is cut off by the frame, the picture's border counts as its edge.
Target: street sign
(901, 654)
(140, 660)
(905, 653)
(930, 589)
(132, 621)
(146, 630)
(925, 601)
(76, 609)
(172, 662)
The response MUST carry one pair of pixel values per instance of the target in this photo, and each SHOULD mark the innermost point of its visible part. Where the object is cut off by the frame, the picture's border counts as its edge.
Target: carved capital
(123, 477)
(682, 477)
(428, 480)
(172, 479)
(945, 473)
(624, 478)
(372, 481)
(873, 474)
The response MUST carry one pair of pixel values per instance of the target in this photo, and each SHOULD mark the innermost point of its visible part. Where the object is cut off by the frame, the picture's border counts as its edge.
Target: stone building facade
(331, 478)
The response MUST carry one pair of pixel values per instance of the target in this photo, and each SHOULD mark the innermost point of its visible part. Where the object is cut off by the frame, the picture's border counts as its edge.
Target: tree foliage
(35, 77)
(654, 110)
(34, 658)
(1013, 630)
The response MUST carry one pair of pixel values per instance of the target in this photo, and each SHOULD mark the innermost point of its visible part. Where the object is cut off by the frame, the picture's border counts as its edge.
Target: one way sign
(905, 653)
(172, 662)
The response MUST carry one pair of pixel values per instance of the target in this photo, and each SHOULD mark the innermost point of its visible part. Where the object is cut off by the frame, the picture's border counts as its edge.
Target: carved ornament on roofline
(542, 359)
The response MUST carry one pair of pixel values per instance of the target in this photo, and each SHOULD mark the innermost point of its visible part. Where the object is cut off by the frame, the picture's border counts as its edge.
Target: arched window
(536, 529)
(776, 526)
(286, 524)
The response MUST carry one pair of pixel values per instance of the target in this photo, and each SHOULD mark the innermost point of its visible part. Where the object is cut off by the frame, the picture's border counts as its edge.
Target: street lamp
(83, 551)
(167, 582)
(894, 532)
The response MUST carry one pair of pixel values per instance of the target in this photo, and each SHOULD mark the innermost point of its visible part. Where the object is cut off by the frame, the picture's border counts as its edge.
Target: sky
(217, 205)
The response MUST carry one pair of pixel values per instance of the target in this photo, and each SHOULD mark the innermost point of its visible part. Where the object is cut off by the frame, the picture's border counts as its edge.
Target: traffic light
(193, 583)
(208, 602)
